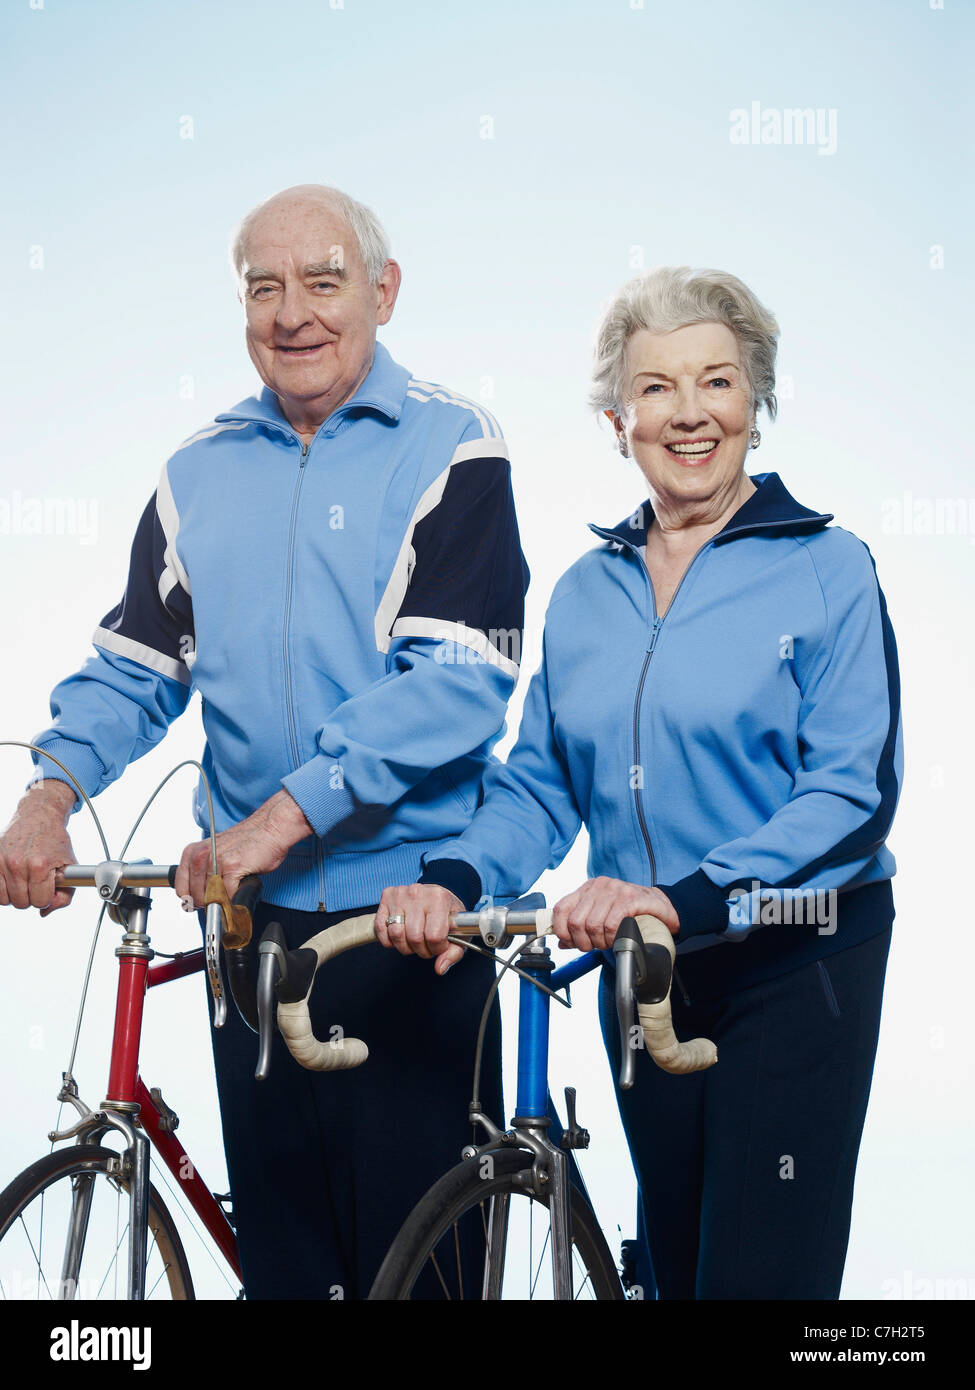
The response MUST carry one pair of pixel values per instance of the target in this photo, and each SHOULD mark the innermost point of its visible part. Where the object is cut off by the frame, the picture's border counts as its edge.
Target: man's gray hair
(672, 297)
(370, 237)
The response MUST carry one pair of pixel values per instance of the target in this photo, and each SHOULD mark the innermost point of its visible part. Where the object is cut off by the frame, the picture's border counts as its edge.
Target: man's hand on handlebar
(254, 846)
(34, 845)
(425, 910)
(588, 919)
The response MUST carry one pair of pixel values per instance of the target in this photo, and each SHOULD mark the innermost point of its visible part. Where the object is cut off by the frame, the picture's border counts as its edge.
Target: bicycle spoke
(113, 1263)
(548, 1235)
(191, 1219)
(40, 1246)
(37, 1261)
(436, 1265)
(118, 1243)
(460, 1276)
(165, 1271)
(577, 1260)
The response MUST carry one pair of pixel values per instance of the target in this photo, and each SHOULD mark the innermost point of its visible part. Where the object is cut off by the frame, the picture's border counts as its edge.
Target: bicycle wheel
(443, 1249)
(36, 1214)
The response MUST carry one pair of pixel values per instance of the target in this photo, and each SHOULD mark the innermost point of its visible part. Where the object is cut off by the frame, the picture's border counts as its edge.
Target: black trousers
(325, 1166)
(746, 1171)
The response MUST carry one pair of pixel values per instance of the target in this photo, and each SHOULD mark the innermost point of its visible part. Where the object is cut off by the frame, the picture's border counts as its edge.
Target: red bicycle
(85, 1221)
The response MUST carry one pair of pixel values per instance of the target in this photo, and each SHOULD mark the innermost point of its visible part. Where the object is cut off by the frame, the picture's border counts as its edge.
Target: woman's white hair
(370, 237)
(672, 297)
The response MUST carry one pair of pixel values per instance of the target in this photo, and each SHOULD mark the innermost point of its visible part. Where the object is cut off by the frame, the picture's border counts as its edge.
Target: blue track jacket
(350, 613)
(748, 740)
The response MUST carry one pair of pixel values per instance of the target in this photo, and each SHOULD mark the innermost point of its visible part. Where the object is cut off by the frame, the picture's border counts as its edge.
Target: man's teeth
(704, 446)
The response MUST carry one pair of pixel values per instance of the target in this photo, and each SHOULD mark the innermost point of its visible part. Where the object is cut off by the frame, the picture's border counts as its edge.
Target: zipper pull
(653, 635)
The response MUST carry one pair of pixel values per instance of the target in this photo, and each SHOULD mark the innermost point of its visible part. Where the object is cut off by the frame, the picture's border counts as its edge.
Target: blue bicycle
(513, 1219)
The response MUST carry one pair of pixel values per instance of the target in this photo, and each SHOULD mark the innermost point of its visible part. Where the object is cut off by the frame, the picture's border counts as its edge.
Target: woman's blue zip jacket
(743, 752)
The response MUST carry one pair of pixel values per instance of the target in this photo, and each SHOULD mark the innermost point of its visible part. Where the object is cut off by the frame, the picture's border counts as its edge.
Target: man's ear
(387, 290)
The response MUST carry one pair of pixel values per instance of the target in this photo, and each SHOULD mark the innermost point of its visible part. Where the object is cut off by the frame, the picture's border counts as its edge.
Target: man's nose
(294, 310)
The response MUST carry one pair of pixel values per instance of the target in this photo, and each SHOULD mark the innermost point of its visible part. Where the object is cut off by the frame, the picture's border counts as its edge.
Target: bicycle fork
(133, 1168)
(551, 1167)
(120, 1109)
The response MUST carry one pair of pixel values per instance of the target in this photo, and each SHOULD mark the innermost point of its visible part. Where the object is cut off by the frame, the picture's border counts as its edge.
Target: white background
(133, 141)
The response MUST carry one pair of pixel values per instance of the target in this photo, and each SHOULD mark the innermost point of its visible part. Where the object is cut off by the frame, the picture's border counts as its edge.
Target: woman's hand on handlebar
(587, 919)
(425, 910)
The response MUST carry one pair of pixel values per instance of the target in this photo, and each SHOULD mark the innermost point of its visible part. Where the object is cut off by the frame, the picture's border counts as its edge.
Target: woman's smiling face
(687, 411)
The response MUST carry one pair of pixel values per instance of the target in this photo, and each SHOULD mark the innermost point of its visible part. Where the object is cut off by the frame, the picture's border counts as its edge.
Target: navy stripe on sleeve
(143, 626)
(469, 567)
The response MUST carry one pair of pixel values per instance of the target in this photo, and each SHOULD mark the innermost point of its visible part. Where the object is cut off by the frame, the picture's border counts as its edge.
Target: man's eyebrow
(325, 268)
(256, 273)
(319, 268)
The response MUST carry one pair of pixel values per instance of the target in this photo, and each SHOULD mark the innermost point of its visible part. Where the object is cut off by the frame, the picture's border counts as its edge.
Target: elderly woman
(718, 704)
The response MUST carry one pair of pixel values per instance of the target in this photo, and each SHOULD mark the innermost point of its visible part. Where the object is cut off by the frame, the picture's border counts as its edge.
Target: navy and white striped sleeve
(153, 622)
(450, 622)
(467, 574)
(122, 701)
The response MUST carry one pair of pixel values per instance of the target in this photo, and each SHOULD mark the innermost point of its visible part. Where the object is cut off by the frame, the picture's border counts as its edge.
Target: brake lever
(626, 1012)
(268, 974)
(283, 977)
(239, 953)
(642, 973)
(212, 935)
(229, 924)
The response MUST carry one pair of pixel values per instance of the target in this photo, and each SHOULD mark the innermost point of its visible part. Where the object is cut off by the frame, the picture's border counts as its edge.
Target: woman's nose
(689, 410)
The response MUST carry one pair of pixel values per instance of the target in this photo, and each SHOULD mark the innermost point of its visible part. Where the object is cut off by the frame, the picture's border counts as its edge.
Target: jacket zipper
(292, 727)
(289, 703)
(654, 634)
(636, 747)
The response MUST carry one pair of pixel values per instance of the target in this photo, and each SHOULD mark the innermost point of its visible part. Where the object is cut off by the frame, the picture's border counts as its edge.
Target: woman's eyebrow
(714, 366)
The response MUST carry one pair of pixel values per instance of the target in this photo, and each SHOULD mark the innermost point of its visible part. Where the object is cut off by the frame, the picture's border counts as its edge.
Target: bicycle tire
(433, 1224)
(25, 1209)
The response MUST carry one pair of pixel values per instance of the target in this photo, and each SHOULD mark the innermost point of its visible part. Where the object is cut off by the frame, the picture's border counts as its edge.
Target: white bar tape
(655, 1019)
(294, 1020)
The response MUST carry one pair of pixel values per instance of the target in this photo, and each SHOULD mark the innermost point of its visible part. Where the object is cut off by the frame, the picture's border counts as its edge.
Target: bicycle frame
(132, 1110)
(531, 1120)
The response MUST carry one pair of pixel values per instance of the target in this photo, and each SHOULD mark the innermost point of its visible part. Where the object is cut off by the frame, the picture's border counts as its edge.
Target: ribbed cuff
(79, 758)
(323, 804)
(701, 905)
(457, 876)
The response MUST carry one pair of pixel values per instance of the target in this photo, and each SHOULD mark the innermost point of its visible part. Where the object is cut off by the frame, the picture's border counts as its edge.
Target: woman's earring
(754, 439)
(623, 449)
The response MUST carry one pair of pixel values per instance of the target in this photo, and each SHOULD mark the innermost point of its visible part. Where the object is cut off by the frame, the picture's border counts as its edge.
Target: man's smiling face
(311, 312)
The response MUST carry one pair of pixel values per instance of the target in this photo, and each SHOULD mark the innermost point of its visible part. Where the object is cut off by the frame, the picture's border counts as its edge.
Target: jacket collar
(384, 391)
(771, 509)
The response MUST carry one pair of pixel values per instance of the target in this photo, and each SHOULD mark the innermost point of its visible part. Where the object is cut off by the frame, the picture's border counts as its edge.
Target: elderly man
(335, 565)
